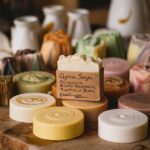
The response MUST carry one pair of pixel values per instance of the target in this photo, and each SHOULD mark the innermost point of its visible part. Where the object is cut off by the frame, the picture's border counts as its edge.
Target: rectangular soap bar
(79, 78)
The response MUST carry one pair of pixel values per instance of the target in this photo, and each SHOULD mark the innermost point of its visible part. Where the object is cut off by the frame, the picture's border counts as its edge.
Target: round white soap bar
(58, 123)
(23, 106)
(122, 125)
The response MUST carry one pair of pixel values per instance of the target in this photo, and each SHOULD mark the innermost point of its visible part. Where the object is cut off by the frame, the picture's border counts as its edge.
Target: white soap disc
(122, 125)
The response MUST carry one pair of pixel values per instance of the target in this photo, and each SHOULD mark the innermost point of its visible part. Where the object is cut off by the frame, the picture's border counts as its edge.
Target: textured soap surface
(116, 67)
(91, 110)
(23, 106)
(58, 123)
(122, 125)
(33, 81)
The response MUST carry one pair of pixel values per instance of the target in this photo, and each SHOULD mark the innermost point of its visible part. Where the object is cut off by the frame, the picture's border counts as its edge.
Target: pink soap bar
(116, 67)
(136, 101)
(140, 78)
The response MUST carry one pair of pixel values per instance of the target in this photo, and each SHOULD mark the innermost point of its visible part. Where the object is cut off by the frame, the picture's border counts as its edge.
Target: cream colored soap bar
(91, 110)
(23, 106)
(58, 123)
(79, 63)
(33, 81)
(122, 125)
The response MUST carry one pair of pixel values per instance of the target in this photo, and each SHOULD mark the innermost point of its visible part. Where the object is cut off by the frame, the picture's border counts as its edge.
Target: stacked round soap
(23, 106)
(114, 87)
(116, 67)
(33, 81)
(122, 125)
(140, 78)
(58, 123)
(137, 101)
(91, 110)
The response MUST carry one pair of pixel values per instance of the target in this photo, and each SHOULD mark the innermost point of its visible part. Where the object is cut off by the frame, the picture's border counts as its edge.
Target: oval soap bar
(33, 81)
(91, 110)
(122, 125)
(137, 101)
(58, 123)
(23, 106)
(116, 67)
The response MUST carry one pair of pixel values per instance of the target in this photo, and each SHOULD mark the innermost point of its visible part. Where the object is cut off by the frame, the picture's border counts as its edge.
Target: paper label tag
(78, 86)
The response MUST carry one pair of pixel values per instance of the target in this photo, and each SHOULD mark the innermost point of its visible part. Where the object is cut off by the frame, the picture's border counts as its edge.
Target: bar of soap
(138, 45)
(116, 67)
(23, 106)
(33, 81)
(140, 78)
(58, 123)
(91, 110)
(114, 87)
(136, 101)
(122, 125)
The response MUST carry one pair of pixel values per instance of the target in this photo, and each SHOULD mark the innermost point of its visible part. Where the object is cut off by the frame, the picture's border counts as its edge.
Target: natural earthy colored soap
(114, 87)
(58, 123)
(139, 44)
(136, 101)
(91, 110)
(122, 125)
(33, 81)
(116, 67)
(140, 78)
(23, 106)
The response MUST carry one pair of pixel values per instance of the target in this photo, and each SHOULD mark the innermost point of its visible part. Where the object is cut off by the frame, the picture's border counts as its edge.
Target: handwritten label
(78, 86)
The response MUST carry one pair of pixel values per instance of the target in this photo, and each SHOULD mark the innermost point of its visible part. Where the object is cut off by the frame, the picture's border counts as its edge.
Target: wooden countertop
(18, 136)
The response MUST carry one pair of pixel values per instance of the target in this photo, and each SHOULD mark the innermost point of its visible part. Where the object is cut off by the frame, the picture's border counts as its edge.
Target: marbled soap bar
(91, 110)
(58, 123)
(33, 81)
(116, 67)
(114, 87)
(137, 101)
(122, 125)
(23, 106)
(140, 78)
(91, 46)
(139, 44)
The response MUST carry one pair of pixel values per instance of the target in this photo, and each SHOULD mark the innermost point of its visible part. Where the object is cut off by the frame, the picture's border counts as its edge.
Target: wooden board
(18, 136)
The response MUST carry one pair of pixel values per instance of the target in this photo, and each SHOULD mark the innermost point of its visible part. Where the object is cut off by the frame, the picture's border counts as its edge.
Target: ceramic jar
(25, 34)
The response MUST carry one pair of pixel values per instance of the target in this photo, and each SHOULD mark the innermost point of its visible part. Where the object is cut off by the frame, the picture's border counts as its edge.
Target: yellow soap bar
(58, 123)
(33, 81)
(91, 110)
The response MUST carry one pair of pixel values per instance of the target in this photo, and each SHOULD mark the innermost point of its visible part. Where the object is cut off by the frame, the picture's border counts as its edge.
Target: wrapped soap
(139, 44)
(55, 44)
(140, 78)
(29, 60)
(114, 42)
(91, 46)
(6, 88)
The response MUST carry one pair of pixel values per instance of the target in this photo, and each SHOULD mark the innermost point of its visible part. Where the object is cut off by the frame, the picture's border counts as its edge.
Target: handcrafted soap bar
(137, 101)
(23, 106)
(33, 81)
(91, 46)
(116, 67)
(140, 43)
(58, 123)
(140, 78)
(91, 110)
(114, 87)
(79, 77)
(122, 125)
(113, 41)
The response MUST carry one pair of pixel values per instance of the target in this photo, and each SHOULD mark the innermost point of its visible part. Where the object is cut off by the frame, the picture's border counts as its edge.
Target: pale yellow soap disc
(33, 81)
(23, 106)
(58, 123)
(91, 110)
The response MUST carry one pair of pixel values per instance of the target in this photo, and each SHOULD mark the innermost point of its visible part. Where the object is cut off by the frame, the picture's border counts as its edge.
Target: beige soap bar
(91, 110)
